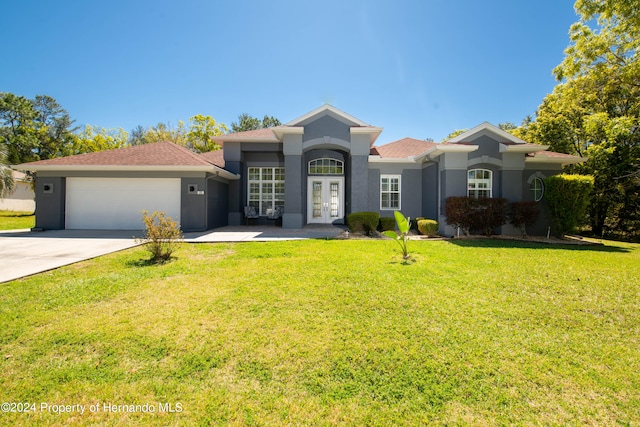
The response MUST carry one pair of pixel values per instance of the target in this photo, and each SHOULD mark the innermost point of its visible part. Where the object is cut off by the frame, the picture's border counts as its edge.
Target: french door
(325, 199)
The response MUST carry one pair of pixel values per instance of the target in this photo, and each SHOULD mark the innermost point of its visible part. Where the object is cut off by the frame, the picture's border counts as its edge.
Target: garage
(116, 203)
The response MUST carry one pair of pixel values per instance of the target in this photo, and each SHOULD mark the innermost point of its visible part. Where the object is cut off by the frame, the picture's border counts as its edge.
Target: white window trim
(540, 176)
(391, 176)
(274, 202)
(479, 180)
(531, 189)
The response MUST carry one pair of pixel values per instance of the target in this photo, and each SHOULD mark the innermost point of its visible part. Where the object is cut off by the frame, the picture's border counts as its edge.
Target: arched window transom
(326, 166)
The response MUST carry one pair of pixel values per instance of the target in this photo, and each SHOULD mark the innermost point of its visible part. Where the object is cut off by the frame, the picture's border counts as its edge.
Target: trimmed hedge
(363, 222)
(524, 214)
(428, 227)
(414, 224)
(387, 223)
(471, 214)
(457, 210)
(567, 197)
(490, 214)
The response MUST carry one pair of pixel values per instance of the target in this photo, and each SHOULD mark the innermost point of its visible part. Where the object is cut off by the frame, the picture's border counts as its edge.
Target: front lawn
(327, 332)
(10, 220)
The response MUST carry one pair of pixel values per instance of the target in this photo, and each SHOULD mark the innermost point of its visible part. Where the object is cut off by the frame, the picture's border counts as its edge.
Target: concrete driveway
(26, 253)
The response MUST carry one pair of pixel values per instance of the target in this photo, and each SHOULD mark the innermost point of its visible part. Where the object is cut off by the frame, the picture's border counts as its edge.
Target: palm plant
(6, 176)
(404, 225)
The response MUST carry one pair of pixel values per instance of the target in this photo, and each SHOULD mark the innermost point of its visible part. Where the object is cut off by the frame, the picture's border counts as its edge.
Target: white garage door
(115, 203)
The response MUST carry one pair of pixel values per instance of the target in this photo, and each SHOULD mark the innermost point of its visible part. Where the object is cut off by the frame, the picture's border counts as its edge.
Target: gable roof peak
(482, 129)
(330, 110)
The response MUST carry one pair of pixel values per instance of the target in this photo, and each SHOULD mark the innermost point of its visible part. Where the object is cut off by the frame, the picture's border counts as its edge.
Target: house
(319, 168)
(21, 198)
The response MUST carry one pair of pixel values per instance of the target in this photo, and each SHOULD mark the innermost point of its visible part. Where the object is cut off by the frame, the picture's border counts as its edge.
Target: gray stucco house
(318, 168)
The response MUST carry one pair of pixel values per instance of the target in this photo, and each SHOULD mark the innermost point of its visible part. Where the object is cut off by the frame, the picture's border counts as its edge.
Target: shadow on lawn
(509, 243)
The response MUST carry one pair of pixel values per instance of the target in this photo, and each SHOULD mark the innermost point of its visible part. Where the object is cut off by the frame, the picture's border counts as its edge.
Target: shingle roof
(261, 134)
(215, 157)
(155, 154)
(553, 154)
(403, 148)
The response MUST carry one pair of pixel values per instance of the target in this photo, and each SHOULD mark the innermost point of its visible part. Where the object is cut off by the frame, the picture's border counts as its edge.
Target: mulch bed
(567, 240)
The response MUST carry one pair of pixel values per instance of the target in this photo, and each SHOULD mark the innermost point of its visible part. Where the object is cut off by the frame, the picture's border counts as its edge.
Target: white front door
(325, 199)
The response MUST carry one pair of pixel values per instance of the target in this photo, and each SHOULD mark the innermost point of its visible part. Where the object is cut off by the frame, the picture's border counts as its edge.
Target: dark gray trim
(50, 205)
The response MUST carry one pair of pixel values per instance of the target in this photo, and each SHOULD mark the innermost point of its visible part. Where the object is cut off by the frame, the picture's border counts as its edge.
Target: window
(537, 188)
(326, 166)
(390, 192)
(479, 183)
(266, 189)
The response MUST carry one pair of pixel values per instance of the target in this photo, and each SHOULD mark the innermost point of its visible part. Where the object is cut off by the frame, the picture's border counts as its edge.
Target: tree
(454, 134)
(247, 122)
(137, 136)
(165, 132)
(17, 128)
(196, 137)
(6, 176)
(201, 130)
(270, 122)
(53, 125)
(507, 126)
(35, 129)
(595, 110)
(93, 138)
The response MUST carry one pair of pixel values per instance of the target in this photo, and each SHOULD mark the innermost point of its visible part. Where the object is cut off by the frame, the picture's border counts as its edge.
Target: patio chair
(276, 214)
(249, 214)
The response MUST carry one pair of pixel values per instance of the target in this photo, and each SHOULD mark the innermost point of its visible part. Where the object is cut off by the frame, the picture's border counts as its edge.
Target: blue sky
(416, 68)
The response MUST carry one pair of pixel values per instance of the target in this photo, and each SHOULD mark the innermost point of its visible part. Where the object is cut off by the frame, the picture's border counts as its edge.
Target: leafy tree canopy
(197, 136)
(454, 134)
(595, 110)
(94, 138)
(246, 122)
(6, 177)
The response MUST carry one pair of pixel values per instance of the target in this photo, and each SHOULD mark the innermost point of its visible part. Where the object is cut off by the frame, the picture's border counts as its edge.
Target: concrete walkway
(264, 233)
(23, 253)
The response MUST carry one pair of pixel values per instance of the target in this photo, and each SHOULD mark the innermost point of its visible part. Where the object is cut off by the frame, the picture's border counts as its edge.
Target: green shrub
(161, 237)
(414, 224)
(428, 227)
(567, 197)
(524, 214)
(363, 222)
(387, 223)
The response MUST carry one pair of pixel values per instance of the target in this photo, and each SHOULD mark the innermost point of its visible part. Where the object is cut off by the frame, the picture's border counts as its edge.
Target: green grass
(10, 220)
(321, 333)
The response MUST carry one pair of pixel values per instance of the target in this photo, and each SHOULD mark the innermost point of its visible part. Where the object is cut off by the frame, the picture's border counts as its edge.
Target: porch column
(360, 150)
(511, 183)
(453, 182)
(233, 163)
(293, 185)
